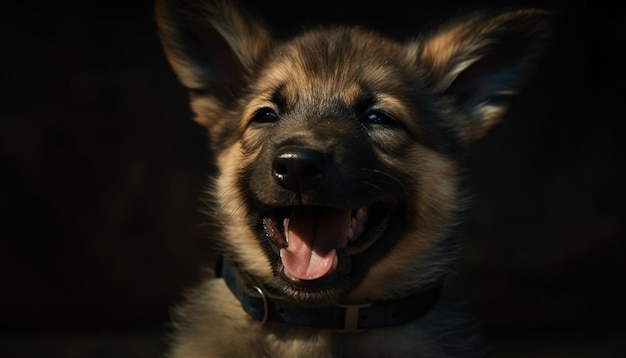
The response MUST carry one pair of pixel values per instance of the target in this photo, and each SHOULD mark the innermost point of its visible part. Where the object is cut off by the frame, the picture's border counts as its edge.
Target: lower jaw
(327, 290)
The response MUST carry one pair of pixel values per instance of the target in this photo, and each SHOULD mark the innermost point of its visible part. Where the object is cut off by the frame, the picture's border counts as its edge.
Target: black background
(101, 166)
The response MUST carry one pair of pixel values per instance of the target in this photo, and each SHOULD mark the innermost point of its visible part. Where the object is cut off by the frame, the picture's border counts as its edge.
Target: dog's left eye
(377, 118)
(265, 115)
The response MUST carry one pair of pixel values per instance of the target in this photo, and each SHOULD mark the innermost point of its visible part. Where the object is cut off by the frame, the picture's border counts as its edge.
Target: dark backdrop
(101, 165)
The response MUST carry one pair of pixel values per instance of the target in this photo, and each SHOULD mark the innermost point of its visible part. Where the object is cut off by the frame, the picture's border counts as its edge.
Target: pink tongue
(314, 234)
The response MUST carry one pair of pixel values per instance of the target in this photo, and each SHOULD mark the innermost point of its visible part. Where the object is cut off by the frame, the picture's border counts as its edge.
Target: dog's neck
(257, 303)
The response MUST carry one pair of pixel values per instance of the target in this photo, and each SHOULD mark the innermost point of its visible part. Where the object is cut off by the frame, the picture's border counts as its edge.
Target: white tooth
(335, 262)
(352, 235)
(361, 219)
(286, 227)
(361, 214)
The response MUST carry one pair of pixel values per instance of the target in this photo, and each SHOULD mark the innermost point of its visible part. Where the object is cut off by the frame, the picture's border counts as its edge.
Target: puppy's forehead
(341, 63)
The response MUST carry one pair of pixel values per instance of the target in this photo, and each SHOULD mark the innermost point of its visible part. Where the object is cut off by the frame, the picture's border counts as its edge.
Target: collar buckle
(351, 318)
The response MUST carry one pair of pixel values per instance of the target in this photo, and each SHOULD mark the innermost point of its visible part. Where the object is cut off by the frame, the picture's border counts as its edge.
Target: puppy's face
(339, 151)
(338, 181)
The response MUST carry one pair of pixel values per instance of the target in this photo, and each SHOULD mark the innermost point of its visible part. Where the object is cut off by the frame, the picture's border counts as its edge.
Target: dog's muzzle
(315, 240)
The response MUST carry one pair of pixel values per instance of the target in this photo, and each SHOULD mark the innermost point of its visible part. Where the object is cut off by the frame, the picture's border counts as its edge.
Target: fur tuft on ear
(212, 46)
(480, 62)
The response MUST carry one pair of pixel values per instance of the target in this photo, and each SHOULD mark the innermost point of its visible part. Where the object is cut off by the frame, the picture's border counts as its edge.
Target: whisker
(387, 175)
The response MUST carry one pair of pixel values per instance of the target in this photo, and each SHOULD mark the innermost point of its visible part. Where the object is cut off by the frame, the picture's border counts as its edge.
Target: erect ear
(480, 62)
(213, 47)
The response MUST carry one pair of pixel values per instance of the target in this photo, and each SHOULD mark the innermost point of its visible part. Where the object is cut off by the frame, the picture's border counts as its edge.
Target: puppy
(340, 183)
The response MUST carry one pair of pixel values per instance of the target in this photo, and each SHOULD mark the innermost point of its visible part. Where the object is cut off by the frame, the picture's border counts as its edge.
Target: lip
(368, 223)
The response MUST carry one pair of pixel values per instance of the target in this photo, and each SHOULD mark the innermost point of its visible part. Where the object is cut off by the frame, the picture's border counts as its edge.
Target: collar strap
(256, 302)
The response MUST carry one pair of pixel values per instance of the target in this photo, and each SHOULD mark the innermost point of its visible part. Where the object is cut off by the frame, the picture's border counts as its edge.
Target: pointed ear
(480, 62)
(212, 46)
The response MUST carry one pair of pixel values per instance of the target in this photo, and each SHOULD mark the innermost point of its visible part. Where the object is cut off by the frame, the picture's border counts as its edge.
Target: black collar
(256, 302)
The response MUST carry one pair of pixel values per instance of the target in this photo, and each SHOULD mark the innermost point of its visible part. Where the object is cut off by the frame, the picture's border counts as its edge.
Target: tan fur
(429, 99)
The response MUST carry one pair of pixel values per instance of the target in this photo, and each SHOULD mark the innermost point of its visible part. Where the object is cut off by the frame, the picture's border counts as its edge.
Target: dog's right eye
(265, 115)
(378, 118)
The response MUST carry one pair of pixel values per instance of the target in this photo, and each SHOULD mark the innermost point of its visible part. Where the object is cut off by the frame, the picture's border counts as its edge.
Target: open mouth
(315, 243)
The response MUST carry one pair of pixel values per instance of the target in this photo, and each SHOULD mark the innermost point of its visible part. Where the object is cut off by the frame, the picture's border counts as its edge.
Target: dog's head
(340, 151)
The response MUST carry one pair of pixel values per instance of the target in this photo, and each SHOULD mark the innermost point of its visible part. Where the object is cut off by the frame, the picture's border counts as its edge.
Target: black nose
(298, 169)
